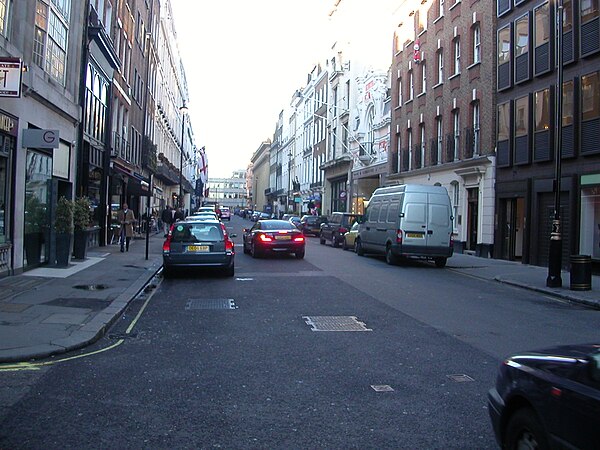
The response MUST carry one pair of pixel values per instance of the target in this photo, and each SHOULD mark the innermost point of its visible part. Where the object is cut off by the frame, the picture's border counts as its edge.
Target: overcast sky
(243, 61)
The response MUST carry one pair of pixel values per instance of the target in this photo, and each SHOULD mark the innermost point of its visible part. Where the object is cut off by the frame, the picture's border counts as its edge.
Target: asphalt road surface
(214, 362)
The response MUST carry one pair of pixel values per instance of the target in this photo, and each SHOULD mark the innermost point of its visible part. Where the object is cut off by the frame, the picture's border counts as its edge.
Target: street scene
(299, 224)
(330, 351)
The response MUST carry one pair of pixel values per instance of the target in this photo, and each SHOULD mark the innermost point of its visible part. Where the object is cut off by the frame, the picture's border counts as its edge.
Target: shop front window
(590, 222)
(38, 174)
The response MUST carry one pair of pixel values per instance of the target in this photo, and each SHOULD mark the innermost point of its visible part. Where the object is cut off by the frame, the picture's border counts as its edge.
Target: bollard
(581, 272)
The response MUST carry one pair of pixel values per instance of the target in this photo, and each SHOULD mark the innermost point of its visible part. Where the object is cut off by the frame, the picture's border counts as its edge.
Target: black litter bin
(581, 272)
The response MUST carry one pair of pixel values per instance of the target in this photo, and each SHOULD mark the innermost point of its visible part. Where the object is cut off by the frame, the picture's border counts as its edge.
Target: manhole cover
(335, 323)
(210, 303)
(382, 388)
(460, 378)
(91, 287)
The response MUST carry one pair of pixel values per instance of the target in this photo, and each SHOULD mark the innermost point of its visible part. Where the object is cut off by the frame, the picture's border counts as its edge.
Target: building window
(568, 105)
(421, 156)
(456, 56)
(522, 36)
(409, 147)
(567, 16)
(590, 112)
(421, 21)
(50, 40)
(440, 71)
(521, 117)
(590, 221)
(476, 44)
(456, 132)
(542, 25)
(589, 10)
(411, 85)
(441, 8)
(503, 135)
(504, 70)
(4, 15)
(423, 77)
(400, 91)
(541, 123)
(476, 130)
(439, 138)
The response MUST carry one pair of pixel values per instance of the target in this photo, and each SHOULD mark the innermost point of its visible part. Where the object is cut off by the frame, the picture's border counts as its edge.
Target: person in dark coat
(167, 219)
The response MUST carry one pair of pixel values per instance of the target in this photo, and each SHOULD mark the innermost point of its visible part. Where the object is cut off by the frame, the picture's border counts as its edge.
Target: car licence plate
(415, 235)
(282, 238)
(197, 248)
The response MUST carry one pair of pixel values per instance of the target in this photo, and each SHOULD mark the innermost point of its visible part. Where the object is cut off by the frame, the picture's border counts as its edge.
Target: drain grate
(460, 378)
(210, 303)
(335, 323)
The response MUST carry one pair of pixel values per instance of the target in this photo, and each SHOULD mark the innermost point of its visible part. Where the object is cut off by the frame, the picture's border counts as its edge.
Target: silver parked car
(198, 243)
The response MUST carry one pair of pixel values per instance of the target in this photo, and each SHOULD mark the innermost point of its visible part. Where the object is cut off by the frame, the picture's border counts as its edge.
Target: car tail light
(224, 229)
(228, 244)
(167, 244)
(264, 238)
(299, 239)
(399, 237)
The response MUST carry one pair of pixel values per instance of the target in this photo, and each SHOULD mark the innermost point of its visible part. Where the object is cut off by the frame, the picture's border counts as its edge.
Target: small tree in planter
(63, 225)
(81, 223)
(35, 223)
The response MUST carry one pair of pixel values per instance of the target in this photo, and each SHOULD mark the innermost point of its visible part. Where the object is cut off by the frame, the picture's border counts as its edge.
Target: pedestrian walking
(126, 219)
(178, 214)
(167, 219)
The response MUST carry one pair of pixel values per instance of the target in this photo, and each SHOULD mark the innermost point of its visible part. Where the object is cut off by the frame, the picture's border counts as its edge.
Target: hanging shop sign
(10, 77)
(33, 138)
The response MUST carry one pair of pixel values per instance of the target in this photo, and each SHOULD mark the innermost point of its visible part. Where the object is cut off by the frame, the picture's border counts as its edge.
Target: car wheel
(440, 262)
(253, 251)
(334, 241)
(358, 248)
(299, 255)
(167, 272)
(524, 430)
(245, 248)
(321, 239)
(230, 271)
(390, 258)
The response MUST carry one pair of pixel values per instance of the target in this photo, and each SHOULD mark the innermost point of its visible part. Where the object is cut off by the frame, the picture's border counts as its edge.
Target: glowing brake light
(299, 239)
(265, 238)
(399, 237)
(167, 244)
(228, 244)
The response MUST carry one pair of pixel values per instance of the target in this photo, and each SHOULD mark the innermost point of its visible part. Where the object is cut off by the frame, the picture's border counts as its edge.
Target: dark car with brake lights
(198, 243)
(548, 399)
(273, 236)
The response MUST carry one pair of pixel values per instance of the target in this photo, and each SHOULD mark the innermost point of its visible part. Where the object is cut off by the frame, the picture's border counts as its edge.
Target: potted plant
(35, 220)
(63, 225)
(81, 223)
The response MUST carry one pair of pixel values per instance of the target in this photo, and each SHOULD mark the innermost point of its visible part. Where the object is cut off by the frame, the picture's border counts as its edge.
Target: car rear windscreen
(197, 232)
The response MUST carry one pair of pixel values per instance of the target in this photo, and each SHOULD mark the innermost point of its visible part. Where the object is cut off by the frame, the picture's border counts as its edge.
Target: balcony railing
(120, 148)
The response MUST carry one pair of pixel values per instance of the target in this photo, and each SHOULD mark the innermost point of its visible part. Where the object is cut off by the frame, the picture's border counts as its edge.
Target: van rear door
(439, 228)
(414, 222)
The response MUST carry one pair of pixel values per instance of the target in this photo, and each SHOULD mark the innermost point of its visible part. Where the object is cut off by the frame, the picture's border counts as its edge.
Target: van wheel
(440, 262)
(334, 241)
(358, 248)
(321, 239)
(390, 258)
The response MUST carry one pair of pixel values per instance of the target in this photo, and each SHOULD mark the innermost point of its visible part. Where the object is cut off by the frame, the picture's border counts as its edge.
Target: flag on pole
(203, 166)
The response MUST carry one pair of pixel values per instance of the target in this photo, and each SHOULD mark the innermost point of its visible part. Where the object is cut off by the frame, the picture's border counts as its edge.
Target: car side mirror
(594, 363)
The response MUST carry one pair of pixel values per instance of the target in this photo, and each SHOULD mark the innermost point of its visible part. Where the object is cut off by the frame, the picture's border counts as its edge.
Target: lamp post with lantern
(184, 110)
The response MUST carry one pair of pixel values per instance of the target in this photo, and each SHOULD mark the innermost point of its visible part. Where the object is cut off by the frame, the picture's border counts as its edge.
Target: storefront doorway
(38, 177)
(514, 228)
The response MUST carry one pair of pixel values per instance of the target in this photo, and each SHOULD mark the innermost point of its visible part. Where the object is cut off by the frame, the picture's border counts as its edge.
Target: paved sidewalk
(524, 276)
(47, 310)
(44, 311)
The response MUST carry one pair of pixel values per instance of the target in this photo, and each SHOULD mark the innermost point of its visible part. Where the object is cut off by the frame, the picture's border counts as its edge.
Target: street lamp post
(555, 252)
(184, 111)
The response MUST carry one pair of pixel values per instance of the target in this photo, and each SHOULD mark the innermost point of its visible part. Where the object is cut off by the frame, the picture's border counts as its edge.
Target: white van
(409, 220)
